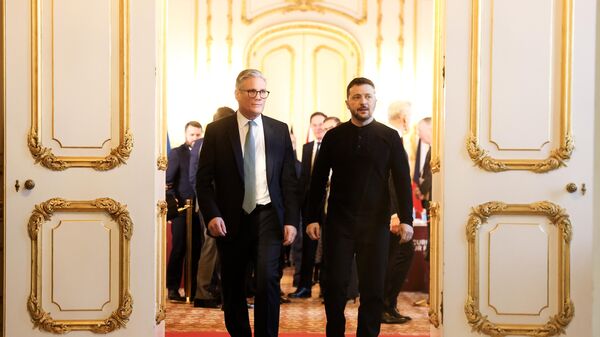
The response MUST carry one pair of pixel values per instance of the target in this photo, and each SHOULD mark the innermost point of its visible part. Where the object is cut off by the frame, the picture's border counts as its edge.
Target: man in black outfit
(247, 192)
(361, 154)
(180, 189)
(309, 247)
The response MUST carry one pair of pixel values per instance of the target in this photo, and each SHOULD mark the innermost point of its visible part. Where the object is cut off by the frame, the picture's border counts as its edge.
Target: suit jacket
(304, 184)
(194, 157)
(220, 178)
(177, 176)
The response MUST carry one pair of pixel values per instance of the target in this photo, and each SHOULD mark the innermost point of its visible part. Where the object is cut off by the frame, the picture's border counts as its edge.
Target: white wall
(596, 189)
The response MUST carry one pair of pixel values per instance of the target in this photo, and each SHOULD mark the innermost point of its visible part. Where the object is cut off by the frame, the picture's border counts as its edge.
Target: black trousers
(259, 240)
(399, 261)
(370, 244)
(307, 266)
(177, 257)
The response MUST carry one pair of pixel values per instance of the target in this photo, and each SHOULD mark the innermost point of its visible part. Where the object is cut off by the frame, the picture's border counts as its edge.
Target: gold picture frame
(44, 155)
(42, 213)
(558, 156)
(558, 217)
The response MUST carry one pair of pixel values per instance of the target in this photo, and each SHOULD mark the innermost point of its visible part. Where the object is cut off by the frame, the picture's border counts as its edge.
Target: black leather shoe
(387, 318)
(394, 312)
(283, 300)
(206, 303)
(300, 293)
(175, 297)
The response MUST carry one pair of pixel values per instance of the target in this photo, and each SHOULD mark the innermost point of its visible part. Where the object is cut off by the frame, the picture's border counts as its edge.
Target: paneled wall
(210, 41)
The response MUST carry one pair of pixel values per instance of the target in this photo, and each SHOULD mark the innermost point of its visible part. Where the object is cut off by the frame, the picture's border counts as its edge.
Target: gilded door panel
(524, 92)
(79, 74)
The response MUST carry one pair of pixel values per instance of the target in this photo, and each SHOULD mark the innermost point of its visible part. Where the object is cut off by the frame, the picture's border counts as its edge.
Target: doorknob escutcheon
(571, 187)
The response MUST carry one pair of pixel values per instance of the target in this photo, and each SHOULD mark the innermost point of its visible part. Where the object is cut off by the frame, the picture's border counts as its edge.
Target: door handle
(571, 187)
(29, 184)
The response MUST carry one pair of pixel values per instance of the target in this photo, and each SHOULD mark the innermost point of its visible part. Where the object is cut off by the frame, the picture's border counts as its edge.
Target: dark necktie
(249, 171)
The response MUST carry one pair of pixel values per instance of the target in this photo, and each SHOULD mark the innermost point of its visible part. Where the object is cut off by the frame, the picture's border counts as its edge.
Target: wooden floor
(302, 315)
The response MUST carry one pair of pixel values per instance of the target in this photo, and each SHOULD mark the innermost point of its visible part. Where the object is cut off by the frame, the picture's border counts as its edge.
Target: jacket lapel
(269, 135)
(234, 137)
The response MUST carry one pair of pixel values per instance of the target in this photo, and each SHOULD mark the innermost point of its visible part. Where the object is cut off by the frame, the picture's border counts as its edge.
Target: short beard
(358, 116)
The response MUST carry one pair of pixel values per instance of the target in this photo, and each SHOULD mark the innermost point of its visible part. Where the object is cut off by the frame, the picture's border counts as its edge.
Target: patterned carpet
(302, 317)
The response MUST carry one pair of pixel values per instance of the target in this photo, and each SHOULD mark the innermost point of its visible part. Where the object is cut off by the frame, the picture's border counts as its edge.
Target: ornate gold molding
(161, 161)
(209, 38)
(229, 37)
(304, 6)
(556, 324)
(42, 213)
(401, 34)
(44, 155)
(439, 48)
(379, 39)
(558, 156)
(161, 262)
(435, 307)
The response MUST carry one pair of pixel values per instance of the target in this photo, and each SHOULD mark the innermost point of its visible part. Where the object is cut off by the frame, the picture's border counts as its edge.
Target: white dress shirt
(262, 188)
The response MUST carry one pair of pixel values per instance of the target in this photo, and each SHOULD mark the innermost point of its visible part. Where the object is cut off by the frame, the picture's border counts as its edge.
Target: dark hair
(358, 81)
(194, 124)
(317, 113)
(223, 112)
(333, 118)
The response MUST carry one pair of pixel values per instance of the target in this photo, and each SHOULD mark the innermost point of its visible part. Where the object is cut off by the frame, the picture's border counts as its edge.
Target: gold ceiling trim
(44, 155)
(319, 29)
(556, 324)
(161, 262)
(558, 156)
(435, 287)
(305, 6)
(42, 213)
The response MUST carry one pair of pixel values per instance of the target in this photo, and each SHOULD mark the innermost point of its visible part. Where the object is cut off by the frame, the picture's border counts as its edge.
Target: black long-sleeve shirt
(361, 160)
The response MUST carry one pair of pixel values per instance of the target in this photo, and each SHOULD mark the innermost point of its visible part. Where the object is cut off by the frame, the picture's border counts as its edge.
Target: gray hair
(248, 73)
(399, 109)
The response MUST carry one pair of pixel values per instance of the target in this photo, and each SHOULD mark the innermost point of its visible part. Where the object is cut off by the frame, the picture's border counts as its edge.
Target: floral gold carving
(556, 324)
(44, 155)
(161, 163)
(43, 212)
(117, 156)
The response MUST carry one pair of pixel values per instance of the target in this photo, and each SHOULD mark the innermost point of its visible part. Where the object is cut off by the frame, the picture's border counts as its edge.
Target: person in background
(361, 155)
(204, 297)
(247, 192)
(180, 188)
(309, 247)
(401, 251)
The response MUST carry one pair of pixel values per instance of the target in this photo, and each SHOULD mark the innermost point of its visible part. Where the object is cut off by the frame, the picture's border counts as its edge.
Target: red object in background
(418, 274)
(169, 246)
(416, 201)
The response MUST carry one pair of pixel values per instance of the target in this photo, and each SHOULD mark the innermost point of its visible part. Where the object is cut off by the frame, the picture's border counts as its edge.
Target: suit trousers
(399, 261)
(370, 244)
(307, 266)
(259, 240)
(206, 268)
(178, 250)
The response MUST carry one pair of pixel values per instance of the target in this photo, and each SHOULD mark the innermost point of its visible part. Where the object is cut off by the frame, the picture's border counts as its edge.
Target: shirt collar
(242, 121)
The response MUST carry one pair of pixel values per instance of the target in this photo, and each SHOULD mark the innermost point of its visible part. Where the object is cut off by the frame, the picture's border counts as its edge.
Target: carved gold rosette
(42, 213)
(556, 324)
(305, 6)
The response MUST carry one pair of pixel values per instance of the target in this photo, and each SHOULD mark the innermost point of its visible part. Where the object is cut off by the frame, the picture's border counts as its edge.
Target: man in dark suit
(309, 247)
(205, 296)
(247, 192)
(360, 154)
(180, 189)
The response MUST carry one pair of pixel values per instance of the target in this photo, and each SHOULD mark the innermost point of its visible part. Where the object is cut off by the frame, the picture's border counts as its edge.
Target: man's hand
(395, 224)
(216, 227)
(406, 232)
(314, 231)
(289, 234)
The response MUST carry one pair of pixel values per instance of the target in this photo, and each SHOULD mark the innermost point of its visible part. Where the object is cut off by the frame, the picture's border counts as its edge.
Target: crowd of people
(342, 215)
